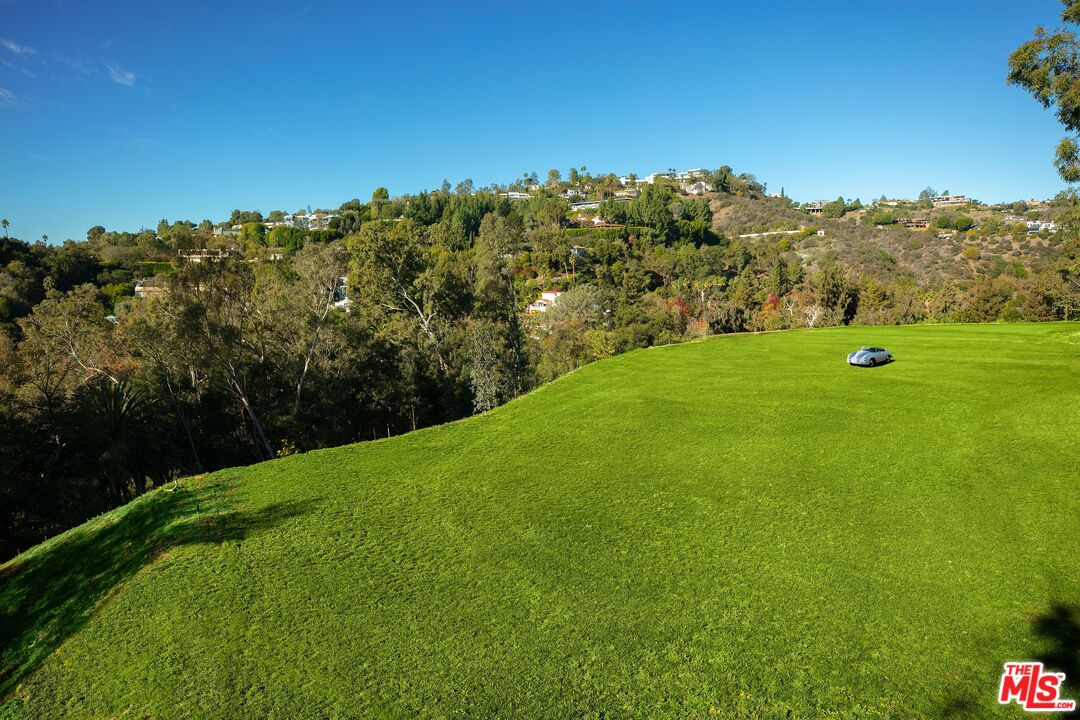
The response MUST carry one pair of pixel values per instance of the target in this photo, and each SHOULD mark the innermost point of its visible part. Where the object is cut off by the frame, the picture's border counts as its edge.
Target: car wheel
(872, 362)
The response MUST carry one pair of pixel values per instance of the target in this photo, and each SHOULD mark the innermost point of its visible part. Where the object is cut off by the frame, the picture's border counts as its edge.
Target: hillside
(742, 526)
(892, 252)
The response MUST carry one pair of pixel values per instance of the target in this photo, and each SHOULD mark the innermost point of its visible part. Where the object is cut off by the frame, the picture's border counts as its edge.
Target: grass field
(739, 527)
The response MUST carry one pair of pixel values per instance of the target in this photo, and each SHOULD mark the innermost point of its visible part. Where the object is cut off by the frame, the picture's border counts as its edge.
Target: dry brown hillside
(890, 251)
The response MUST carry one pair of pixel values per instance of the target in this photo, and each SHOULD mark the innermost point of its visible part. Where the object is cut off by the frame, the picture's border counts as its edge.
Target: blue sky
(123, 113)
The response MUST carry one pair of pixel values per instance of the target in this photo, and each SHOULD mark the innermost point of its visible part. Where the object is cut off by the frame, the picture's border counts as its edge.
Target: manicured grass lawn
(739, 527)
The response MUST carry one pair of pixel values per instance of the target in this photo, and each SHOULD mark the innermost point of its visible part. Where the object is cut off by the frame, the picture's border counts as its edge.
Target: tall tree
(1048, 66)
(219, 322)
(495, 295)
(296, 307)
(390, 263)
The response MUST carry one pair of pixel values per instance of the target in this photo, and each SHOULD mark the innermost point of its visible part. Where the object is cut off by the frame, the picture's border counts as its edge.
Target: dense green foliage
(744, 527)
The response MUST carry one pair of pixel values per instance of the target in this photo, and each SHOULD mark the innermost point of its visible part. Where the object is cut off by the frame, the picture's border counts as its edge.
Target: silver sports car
(869, 357)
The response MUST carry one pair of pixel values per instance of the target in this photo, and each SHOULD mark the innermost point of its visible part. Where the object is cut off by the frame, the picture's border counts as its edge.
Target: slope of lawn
(739, 527)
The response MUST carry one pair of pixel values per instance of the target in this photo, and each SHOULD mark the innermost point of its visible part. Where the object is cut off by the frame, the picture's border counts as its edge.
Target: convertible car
(869, 357)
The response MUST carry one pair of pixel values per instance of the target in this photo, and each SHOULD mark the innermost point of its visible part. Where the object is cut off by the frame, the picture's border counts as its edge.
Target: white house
(585, 205)
(949, 200)
(145, 288)
(202, 254)
(691, 174)
(516, 195)
(651, 178)
(314, 221)
(222, 231)
(546, 300)
(696, 188)
(341, 295)
(1035, 226)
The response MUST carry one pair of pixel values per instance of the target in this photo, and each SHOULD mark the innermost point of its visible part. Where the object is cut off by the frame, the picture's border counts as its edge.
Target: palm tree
(5, 223)
(127, 440)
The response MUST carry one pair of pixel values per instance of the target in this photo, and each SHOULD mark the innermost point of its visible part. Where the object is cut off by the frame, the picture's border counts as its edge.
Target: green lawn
(739, 527)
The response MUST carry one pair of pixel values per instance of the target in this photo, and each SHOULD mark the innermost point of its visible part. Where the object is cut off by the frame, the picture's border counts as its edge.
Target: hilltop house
(1036, 226)
(585, 205)
(546, 300)
(199, 255)
(949, 200)
(314, 221)
(691, 175)
(653, 177)
(696, 188)
(516, 195)
(223, 231)
(684, 177)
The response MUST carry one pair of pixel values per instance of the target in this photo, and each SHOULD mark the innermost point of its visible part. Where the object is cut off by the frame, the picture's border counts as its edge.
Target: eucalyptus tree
(1048, 66)
(216, 315)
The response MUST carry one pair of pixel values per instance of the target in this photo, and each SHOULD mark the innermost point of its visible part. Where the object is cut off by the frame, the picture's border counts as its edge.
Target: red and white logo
(1032, 689)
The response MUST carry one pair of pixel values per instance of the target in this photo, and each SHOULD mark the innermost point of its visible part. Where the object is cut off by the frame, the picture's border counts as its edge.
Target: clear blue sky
(121, 113)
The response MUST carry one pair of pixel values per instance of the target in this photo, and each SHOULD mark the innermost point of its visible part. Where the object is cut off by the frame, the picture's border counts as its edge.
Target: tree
(496, 299)
(391, 264)
(651, 210)
(125, 441)
(380, 193)
(5, 224)
(66, 337)
(834, 291)
(172, 358)
(554, 177)
(216, 314)
(297, 308)
(835, 209)
(253, 234)
(1048, 67)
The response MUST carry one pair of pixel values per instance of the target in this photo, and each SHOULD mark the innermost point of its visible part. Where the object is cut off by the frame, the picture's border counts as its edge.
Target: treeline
(407, 312)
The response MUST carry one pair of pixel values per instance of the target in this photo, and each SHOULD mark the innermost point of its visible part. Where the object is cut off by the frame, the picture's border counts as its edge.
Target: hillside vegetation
(742, 526)
(997, 245)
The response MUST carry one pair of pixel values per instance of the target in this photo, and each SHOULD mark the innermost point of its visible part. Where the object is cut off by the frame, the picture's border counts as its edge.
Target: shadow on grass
(961, 707)
(1059, 630)
(50, 594)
